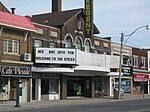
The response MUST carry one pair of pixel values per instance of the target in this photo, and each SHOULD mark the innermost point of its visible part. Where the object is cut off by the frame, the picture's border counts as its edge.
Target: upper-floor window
(37, 43)
(78, 43)
(52, 44)
(68, 42)
(87, 46)
(143, 60)
(126, 60)
(11, 46)
(135, 61)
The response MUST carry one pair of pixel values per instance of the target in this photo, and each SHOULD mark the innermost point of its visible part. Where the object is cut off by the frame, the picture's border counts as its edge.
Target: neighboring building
(3, 8)
(15, 56)
(140, 70)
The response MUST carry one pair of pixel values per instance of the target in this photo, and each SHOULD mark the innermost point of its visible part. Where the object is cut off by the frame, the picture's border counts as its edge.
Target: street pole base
(17, 106)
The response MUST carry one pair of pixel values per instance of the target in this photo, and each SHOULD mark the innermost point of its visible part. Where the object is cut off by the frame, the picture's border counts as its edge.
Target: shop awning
(141, 77)
(15, 21)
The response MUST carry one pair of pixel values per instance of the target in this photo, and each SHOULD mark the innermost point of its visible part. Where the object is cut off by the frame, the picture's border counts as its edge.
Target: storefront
(10, 75)
(45, 86)
(75, 86)
(140, 83)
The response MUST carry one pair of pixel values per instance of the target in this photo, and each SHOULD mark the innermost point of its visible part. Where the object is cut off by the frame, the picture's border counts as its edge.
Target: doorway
(75, 87)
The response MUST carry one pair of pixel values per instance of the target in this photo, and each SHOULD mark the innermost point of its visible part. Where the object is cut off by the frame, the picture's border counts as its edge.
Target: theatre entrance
(75, 87)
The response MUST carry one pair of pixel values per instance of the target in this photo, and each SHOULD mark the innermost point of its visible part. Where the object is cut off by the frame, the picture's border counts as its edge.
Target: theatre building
(15, 56)
(66, 62)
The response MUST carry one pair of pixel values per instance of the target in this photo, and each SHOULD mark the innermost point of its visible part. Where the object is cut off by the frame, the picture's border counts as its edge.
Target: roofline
(74, 15)
(44, 25)
(18, 27)
(5, 7)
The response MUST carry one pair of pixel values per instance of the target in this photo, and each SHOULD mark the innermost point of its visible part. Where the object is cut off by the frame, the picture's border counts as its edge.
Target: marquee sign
(15, 71)
(88, 18)
(55, 55)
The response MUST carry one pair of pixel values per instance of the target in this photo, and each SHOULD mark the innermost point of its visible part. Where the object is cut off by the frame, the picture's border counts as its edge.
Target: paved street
(108, 104)
(140, 105)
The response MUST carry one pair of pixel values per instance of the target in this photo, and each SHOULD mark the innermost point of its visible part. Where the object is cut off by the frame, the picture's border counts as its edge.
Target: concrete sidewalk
(9, 105)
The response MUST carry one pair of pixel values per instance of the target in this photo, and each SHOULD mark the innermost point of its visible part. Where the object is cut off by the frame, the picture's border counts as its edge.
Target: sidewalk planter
(99, 94)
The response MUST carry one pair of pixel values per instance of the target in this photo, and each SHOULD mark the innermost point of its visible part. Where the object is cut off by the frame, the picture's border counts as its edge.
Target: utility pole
(120, 66)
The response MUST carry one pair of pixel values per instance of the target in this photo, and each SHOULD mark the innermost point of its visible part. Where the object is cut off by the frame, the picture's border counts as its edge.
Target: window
(52, 44)
(4, 85)
(149, 63)
(37, 43)
(135, 61)
(143, 60)
(87, 46)
(68, 42)
(126, 60)
(99, 86)
(78, 44)
(53, 86)
(11, 46)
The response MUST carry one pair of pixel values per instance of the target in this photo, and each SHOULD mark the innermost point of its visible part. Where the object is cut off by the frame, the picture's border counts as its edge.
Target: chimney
(56, 5)
(13, 10)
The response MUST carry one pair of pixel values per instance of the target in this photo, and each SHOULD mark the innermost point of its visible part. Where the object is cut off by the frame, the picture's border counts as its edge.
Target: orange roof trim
(16, 21)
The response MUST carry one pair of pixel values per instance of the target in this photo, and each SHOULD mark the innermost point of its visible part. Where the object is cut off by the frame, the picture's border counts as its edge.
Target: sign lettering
(15, 71)
(55, 55)
(88, 18)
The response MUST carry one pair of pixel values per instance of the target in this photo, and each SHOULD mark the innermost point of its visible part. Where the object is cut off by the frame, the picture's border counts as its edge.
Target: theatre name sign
(55, 55)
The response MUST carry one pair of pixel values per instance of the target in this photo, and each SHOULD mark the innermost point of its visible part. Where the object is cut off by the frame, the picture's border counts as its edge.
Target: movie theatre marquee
(55, 55)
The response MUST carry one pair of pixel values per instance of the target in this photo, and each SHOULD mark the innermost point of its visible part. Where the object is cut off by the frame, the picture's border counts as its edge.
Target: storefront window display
(125, 84)
(53, 86)
(50, 86)
(99, 85)
(3, 85)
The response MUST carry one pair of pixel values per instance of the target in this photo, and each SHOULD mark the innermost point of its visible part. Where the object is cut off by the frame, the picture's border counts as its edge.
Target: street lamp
(121, 47)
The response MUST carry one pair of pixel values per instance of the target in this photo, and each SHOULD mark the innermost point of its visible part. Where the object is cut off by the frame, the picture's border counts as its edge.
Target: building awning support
(26, 35)
(1, 30)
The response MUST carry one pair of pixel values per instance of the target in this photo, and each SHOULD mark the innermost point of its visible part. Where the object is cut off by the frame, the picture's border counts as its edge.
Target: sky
(112, 17)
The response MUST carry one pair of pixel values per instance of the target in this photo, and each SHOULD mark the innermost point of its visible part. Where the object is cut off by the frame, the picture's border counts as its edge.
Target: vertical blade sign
(88, 18)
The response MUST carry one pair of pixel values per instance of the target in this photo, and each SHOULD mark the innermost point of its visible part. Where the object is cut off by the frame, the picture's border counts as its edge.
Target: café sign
(15, 71)
(55, 55)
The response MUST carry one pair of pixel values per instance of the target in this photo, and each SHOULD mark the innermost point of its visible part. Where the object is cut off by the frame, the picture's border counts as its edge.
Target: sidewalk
(9, 105)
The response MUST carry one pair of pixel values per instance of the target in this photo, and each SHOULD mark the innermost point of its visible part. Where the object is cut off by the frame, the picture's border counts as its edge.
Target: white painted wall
(38, 89)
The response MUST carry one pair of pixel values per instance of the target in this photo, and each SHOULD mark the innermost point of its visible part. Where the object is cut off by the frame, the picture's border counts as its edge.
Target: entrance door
(45, 89)
(75, 87)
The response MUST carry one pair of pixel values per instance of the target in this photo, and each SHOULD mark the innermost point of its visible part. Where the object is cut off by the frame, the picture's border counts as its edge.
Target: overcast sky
(110, 16)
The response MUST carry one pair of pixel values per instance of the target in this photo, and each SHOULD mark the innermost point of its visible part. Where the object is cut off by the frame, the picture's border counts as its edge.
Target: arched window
(68, 42)
(78, 44)
(87, 46)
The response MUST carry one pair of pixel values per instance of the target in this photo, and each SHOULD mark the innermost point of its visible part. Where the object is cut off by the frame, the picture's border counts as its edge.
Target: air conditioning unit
(26, 57)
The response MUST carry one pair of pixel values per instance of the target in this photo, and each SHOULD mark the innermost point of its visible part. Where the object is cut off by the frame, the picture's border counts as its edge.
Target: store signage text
(141, 77)
(88, 18)
(15, 71)
(55, 55)
(127, 70)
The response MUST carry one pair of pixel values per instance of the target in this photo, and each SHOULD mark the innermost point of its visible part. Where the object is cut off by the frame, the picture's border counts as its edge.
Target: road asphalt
(10, 105)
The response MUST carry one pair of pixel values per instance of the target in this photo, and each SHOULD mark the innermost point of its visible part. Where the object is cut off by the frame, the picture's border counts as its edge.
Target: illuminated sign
(55, 55)
(88, 18)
